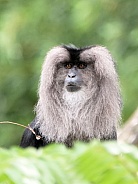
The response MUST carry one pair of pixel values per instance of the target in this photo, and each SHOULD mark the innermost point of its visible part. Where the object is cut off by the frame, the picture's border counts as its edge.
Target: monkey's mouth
(72, 87)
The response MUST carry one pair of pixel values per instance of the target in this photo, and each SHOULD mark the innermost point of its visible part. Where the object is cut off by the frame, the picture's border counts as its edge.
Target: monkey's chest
(76, 136)
(78, 130)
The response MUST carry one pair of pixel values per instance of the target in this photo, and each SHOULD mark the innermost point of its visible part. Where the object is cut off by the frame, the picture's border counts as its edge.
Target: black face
(73, 81)
(74, 73)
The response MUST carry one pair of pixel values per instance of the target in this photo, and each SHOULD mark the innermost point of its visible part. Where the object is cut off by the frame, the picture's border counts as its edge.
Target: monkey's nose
(71, 75)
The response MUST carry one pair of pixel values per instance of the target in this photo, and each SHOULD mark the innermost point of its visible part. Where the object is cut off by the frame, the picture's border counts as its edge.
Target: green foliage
(95, 163)
(28, 29)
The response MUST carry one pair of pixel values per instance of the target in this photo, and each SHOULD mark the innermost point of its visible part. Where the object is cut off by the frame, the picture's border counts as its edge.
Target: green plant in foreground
(95, 163)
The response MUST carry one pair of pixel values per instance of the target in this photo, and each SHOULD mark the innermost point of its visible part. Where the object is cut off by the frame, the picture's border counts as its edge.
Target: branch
(38, 137)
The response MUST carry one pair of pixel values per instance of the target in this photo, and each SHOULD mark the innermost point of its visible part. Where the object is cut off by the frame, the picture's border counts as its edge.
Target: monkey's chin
(73, 88)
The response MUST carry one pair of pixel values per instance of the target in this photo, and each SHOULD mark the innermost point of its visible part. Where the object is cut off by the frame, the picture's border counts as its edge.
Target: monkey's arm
(29, 139)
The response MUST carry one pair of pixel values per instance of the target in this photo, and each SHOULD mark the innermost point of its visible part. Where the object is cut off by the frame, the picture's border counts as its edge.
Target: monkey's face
(74, 80)
(74, 76)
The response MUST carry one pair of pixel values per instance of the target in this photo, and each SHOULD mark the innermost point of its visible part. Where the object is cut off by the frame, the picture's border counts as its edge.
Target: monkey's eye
(82, 65)
(68, 65)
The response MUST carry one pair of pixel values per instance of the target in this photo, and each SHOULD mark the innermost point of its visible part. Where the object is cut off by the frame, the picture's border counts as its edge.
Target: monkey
(78, 97)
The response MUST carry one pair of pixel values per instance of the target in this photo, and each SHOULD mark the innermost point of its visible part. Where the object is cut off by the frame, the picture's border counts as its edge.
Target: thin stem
(38, 137)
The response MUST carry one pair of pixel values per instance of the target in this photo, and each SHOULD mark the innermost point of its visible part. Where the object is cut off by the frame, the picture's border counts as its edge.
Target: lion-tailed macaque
(79, 98)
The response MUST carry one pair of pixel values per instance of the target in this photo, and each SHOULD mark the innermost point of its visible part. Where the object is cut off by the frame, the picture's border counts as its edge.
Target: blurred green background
(28, 29)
